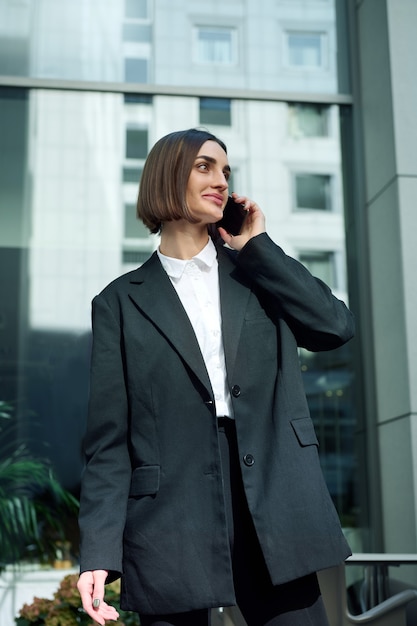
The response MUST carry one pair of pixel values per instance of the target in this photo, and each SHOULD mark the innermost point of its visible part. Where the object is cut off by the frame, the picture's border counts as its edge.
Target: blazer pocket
(145, 480)
(304, 429)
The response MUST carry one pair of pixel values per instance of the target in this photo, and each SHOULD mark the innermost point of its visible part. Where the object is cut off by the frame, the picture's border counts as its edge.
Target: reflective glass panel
(290, 46)
(309, 120)
(215, 46)
(306, 49)
(216, 111)
(313, 192)
(70, 168)
(136, 8)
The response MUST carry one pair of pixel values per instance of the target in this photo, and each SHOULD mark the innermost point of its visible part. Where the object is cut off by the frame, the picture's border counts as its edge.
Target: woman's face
(207, 187)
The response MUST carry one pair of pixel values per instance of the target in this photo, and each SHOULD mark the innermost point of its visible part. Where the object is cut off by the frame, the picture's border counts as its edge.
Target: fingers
(250, 205)
(91, 588)
(254, 225)
(103, 613)
(225, 236)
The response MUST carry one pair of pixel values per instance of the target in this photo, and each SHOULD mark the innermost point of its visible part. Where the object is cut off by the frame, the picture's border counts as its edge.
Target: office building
(315, 100)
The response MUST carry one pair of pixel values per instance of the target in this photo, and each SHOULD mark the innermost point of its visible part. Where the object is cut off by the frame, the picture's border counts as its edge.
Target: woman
(202, 486)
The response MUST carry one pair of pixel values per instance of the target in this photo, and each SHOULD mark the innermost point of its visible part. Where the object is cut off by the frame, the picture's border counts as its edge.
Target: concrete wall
(387, 100)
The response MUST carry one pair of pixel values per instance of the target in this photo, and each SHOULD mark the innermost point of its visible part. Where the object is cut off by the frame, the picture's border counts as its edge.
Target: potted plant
(65, 608)
(34, 506)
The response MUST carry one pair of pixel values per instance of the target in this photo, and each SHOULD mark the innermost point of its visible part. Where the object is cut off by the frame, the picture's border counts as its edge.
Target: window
(215, 45)
(135, 257)
(132, 174)
(136, 70)
(137, 246)
(313, 191)
(136, 143)
(136, 9)
(309, 120)
(137, 41)
(134, 98)
(232, 178)
(321, 264)
(306, 49)
(134, 228)
(137, 32)
(215, 111)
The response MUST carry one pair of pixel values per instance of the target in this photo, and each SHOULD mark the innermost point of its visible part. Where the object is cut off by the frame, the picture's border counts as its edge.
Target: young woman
(202, 486)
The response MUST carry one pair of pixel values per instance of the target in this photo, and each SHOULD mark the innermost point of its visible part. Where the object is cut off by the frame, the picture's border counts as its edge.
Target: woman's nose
(221, 180)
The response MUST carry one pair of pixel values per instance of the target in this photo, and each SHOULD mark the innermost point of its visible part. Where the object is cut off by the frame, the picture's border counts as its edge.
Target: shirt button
(236, 391)
(249, 460)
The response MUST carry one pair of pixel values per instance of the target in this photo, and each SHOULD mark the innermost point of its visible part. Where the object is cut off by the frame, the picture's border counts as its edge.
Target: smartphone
(234, 216)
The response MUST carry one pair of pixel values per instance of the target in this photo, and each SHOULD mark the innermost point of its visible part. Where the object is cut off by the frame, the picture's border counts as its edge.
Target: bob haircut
(163, 186)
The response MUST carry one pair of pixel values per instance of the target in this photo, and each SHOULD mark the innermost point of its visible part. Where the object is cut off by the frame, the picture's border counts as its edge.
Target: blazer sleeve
(106, 477)
(318, 320)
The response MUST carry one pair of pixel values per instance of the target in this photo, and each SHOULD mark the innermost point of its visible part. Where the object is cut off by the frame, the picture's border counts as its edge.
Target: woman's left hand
(91, 589)
(254, 224)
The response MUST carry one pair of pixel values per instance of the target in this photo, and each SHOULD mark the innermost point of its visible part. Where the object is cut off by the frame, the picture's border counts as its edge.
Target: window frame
(211, 112)
(323, 37)
(296, 126)
(198, 60)
(329, 194)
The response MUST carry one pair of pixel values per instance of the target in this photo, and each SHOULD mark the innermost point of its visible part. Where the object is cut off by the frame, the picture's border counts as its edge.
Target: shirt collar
(204, 260)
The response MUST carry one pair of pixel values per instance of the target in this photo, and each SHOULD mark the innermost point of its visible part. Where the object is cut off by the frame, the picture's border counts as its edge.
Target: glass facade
(71, 162)
(274, 45)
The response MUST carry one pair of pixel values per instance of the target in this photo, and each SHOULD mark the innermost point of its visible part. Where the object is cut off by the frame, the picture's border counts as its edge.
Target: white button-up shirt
(197, 284)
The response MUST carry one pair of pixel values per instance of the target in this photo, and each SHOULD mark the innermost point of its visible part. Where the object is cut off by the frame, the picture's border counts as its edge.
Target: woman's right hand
(91, 588)
(254, 224)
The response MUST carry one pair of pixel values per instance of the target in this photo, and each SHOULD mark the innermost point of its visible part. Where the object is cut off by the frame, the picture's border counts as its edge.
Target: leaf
(34, 506)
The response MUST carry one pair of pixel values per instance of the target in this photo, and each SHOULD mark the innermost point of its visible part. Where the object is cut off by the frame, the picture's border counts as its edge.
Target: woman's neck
(182, 240)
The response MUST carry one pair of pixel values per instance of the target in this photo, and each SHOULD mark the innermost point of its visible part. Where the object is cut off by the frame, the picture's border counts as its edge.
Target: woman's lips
(217, 199)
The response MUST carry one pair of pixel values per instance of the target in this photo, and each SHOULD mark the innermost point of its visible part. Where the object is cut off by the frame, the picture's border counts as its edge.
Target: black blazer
(152, 504)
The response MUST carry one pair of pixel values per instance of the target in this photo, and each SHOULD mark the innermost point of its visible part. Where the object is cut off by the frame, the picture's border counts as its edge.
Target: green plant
(65, 608)
(33, 504)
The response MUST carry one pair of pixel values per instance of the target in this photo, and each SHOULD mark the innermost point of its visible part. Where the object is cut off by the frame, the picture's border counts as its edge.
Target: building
(315, 100)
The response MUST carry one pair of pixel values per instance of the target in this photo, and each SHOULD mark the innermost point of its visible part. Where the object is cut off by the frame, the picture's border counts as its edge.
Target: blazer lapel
(154, 295)
(234, 295)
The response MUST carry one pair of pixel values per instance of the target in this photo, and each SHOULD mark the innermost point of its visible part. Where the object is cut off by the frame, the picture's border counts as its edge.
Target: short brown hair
(163, 185)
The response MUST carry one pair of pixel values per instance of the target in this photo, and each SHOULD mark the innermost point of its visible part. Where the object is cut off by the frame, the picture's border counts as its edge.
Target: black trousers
(297, 603)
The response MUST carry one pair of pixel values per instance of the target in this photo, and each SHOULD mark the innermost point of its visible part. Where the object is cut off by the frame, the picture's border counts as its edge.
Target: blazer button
(249, 460)
(235, 391)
